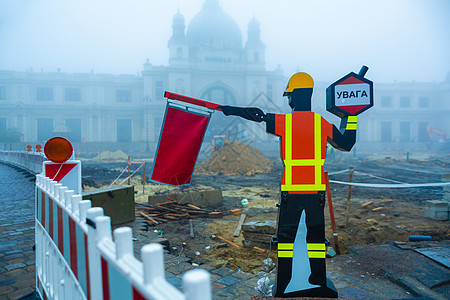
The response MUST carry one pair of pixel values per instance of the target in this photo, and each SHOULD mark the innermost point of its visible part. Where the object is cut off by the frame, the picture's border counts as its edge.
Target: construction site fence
(31, 161)
(78, 258)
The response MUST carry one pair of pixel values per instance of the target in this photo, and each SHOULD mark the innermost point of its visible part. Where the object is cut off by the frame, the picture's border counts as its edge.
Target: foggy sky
(401, 40)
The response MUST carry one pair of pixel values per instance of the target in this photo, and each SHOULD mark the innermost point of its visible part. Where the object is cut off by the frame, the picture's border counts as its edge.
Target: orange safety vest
(304, 136)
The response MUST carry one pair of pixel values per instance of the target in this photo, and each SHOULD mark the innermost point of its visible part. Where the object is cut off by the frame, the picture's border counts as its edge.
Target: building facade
(208, 59)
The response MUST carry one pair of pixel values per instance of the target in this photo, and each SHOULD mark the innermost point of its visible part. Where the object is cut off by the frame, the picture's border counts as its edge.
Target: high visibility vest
(304, 137)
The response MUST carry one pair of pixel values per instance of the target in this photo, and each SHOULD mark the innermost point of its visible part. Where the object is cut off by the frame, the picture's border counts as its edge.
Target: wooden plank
(194, 207)
(366, 204)
(150, 219)
(229, 242)
(259, 249)
(236, 211)
(237, 232)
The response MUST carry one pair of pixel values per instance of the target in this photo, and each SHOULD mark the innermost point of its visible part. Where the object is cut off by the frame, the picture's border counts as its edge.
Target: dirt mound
(108, 155)
(236, 158)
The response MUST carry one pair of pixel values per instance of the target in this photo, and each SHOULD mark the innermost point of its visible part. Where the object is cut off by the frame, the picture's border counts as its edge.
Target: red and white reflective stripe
(53, 216)
(80, 261)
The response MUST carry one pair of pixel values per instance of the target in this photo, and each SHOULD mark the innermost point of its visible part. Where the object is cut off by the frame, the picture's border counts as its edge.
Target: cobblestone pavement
(17, 259)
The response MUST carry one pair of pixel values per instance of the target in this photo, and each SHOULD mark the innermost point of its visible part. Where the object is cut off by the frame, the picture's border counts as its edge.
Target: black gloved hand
(249, 113)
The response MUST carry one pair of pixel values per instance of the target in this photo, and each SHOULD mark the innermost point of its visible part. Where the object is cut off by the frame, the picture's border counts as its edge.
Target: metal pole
(143, 180)
(129, 170)
(363, 71)
(350, 179)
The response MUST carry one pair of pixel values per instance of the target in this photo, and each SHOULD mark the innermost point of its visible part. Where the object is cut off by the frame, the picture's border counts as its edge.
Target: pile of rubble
(236, 158)
(258, 234)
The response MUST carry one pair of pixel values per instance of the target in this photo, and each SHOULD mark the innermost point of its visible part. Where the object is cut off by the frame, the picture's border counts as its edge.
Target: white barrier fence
(31, 161)
(77, 258)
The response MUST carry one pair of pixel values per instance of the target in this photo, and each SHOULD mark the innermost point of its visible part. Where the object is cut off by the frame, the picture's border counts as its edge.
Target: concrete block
(207, 198)
(437, 205)
(437, 210)
(437, 215)
(117, 202)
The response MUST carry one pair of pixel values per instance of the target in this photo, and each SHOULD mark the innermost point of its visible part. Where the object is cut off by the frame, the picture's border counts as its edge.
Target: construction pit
(250, 185)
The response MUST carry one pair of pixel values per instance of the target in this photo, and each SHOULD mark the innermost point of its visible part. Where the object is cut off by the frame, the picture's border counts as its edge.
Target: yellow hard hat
(299, 80)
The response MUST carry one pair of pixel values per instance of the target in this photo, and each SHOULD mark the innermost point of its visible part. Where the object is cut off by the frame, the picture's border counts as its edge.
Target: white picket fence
(78, 257)
(31, 161)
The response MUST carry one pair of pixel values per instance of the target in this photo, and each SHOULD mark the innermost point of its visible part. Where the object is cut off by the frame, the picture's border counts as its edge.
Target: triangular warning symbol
(58, 171)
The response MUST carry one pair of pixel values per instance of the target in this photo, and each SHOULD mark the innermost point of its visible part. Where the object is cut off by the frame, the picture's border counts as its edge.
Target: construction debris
(258, 234)
(229, 242)
(236, 158)
(170, 210)
(366, 204)
(237, 232)
(197, 197)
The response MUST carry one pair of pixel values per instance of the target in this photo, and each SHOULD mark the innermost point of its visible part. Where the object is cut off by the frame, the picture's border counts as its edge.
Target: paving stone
(7, 281)
(13, 251)
(215, 286)
(243, 275)
(223, 271)
(25, 280)
(6, 289)
(176, 282)
(21, 293)
(30, 262)
(6, 245)
(252, 282)
(15, 266)
(180, 268)
(15, 233)
(214, 277)
(223, 295)
(228, 280)
(206, 267)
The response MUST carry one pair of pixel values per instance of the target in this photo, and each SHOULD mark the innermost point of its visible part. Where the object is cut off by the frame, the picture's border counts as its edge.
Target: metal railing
(31, 161)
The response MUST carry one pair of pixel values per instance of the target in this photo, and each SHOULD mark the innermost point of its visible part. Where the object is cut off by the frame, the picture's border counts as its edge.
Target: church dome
(213, 28)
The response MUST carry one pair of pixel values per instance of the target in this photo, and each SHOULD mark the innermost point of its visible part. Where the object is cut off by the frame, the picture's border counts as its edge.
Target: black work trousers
(289, 213)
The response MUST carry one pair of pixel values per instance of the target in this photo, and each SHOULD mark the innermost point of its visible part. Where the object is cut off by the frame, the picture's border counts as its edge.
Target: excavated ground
(398, 213)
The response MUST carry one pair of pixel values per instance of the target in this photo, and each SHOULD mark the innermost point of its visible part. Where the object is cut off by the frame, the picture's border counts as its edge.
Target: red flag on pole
(179, 143)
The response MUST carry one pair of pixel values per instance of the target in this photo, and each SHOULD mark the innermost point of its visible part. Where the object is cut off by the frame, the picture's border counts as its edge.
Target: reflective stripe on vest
(315, 250)
(317, 162)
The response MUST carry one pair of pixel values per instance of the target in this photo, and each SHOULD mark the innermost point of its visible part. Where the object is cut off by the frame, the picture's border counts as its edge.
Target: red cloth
(180, 142)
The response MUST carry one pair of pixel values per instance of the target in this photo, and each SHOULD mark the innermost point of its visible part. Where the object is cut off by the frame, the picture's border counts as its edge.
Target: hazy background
(400, 40)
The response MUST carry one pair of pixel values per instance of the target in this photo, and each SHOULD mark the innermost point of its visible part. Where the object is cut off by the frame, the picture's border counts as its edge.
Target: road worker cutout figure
(301, 227)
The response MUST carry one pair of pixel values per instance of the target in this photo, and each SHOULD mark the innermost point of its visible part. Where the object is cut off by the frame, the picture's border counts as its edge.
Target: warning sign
(350, 95)
(68, 174)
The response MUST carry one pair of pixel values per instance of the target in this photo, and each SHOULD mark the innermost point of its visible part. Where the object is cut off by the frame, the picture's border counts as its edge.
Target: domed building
(210, 59)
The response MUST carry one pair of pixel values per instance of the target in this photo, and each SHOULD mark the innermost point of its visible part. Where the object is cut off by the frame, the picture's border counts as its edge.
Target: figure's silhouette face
(300, 99)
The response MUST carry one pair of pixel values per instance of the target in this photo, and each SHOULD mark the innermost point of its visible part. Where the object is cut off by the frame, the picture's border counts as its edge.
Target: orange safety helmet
(299, 80)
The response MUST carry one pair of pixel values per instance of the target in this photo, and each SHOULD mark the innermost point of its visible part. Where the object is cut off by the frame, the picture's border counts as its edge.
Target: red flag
(179, 144)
